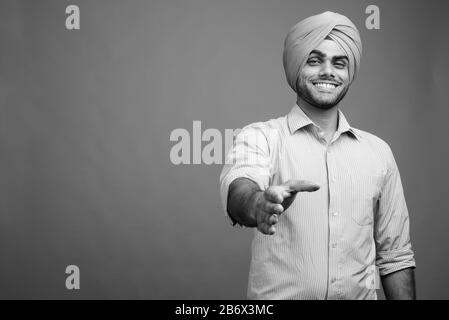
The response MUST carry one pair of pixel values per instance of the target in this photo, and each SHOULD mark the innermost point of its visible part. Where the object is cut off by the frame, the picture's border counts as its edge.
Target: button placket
(333, 224)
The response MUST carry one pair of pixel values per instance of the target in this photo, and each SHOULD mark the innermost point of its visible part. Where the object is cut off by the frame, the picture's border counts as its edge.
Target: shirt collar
(297, 119)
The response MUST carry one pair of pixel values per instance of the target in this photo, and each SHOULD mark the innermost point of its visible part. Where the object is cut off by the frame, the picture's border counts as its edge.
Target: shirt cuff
(395, 260)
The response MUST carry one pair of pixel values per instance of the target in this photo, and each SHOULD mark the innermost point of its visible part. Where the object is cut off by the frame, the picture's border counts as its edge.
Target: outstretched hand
(275, 200)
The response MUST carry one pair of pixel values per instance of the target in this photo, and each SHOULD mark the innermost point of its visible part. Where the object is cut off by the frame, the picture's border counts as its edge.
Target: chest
(345, 164)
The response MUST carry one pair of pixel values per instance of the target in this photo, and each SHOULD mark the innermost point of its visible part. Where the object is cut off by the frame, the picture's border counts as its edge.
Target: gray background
(86, 116)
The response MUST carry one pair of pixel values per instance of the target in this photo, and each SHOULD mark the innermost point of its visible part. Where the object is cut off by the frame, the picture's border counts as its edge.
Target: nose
(327, 70)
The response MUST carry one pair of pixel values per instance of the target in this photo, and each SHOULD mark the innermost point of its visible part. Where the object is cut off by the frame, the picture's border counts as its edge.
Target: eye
(313, 61)
(340, 64)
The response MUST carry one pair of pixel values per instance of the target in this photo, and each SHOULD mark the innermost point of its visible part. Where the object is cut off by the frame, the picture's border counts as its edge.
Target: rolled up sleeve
(392, 235)
(249, 158)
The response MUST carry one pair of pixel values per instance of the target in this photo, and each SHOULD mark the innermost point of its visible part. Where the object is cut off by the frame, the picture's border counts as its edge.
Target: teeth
(325, 85)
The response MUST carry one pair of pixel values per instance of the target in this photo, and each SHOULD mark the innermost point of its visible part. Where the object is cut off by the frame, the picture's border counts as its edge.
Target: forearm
(399, 285)
(241, 201)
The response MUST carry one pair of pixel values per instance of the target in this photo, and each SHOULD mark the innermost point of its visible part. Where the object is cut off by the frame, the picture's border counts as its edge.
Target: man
(326, 198)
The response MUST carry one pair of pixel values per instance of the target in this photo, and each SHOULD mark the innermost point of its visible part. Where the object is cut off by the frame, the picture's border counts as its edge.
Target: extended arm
(251, 207)
(244, 181)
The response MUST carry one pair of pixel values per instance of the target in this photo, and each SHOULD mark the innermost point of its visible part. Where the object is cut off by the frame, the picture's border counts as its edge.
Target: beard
(322, 100)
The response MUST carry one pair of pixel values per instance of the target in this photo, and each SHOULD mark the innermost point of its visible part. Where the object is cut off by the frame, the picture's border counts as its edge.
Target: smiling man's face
(324, 79)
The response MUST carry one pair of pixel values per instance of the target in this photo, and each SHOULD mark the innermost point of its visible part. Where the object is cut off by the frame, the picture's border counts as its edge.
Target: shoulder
(266, 126)
(271, 129)
(372, 140)
(377, 145)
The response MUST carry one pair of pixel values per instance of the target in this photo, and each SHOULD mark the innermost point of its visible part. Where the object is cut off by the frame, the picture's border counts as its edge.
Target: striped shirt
(331, 243)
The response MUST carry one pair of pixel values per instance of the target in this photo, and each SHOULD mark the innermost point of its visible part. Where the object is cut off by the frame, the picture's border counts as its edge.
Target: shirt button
(334, 245)
(333, 280)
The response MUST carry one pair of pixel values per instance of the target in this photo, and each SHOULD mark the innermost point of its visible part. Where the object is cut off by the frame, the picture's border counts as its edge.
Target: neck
(326, 119)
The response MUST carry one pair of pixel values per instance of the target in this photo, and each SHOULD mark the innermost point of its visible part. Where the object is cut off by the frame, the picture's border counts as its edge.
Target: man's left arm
(394, 254)
(399, 285)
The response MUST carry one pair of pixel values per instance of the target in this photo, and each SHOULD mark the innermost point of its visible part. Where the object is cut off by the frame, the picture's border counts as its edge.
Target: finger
(262, 227)
(287, 193)
(274, 194)
(301, 186)
(263, 218)
(273, 208)
(266, 229)
(273, 219)
(268, 219)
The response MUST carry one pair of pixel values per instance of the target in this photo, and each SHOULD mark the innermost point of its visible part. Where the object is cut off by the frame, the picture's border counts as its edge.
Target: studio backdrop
(115, 118)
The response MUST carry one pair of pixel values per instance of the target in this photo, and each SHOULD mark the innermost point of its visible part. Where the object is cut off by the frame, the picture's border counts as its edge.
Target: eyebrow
(323, 55)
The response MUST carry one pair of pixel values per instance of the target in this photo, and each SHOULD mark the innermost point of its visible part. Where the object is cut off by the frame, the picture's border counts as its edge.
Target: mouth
(325, 85)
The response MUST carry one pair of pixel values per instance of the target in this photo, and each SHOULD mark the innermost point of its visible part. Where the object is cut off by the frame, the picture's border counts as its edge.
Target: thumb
(295, 186)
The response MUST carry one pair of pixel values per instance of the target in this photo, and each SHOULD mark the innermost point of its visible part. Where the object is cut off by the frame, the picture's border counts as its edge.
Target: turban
(307, 34)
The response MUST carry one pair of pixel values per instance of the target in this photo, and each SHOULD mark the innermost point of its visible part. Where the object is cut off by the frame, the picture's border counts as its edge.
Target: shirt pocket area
(364, 194)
